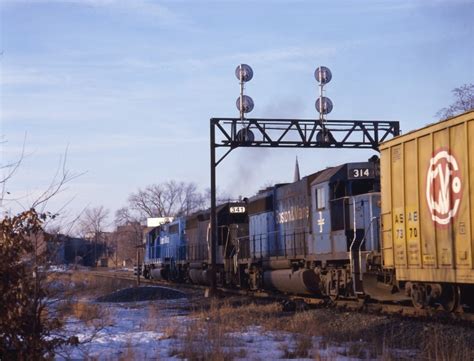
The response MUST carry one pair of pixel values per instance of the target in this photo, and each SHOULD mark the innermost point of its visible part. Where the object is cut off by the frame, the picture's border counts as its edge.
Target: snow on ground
(153, 330)
(133, 330)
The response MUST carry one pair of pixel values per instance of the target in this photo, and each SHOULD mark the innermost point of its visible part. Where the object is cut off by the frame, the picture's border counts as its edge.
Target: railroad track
(293, 301)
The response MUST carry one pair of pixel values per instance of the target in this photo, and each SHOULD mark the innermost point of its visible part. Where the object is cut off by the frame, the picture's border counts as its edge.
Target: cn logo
(443, 187)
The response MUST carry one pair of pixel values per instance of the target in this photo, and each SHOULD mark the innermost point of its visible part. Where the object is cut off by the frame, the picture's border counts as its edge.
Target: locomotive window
(320, 198)
(362, 186)
(339, 189)
(174, 228)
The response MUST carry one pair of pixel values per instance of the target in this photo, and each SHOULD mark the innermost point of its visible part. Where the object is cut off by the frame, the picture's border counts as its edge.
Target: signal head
(323, 75)
(326, 107)
(247, 104)
(244, 72)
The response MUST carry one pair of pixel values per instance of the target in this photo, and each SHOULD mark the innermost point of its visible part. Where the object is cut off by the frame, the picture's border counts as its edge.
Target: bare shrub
(29, 329)
(301, 347)
(318, 356)
(357, 350)
(88, 313)
(206, 340)
(170, 332)
(447, 347)
(233, 318)
(64, 308)
(152, 322)
(128, 353)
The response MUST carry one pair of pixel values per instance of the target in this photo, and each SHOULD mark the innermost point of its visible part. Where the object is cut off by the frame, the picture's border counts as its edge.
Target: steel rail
(356, 305)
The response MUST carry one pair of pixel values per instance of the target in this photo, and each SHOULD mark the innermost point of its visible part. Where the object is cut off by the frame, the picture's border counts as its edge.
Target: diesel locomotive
(397, 228)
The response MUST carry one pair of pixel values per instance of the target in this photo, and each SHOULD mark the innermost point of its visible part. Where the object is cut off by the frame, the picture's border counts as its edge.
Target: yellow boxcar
(427, 219)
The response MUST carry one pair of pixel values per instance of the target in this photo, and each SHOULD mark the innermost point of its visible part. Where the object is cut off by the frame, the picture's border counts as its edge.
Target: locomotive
(394, 229)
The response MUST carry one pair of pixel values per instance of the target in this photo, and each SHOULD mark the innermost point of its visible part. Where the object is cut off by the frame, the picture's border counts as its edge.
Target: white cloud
(95, 144)
(22, 76)
(163, 14)
(265, 56)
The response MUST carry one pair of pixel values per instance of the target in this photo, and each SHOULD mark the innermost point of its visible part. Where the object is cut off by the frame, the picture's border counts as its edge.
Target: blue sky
(129, 86)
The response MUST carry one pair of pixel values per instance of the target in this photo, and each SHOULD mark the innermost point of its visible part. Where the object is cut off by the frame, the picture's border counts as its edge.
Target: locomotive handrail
(354, 226)
(258, 250)
(363, 241)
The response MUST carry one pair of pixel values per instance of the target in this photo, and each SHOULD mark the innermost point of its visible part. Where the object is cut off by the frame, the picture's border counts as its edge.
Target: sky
(123, 90)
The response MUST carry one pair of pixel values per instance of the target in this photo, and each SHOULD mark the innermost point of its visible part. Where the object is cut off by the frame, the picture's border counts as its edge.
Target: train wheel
(418, 296)
(450, 297)
(332, 285)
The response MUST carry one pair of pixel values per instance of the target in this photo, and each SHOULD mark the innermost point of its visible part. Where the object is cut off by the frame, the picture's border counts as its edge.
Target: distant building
(296, 175)
(77, 251)
(122, 244)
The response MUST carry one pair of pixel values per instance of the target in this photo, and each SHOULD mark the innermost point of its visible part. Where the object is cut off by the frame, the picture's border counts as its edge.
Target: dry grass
(128, 353)
(300, 347)
(448, 347)
(234, 318)
(363, 336)
(74, 290)
(206, 340)
(88, 313)
(172, 331)
(152, 322)
(206, 335)
(82, 284)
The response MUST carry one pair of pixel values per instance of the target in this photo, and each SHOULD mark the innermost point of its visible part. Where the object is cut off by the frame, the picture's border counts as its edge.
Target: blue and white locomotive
(312, 236)
(180, 250)
(165, 249)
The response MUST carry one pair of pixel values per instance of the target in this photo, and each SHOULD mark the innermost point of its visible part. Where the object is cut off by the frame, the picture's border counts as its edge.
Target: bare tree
(125, 215)
(30, 327)
(464, 101)
(93, 221)
(167, 199)
(190, 200)
(221, 197)
(8, 170)
(92, 225)
(127, 237)
(58, 184)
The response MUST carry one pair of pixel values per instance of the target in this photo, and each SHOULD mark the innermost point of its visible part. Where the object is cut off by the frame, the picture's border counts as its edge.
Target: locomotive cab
(164, 251)
(345, 209)
(232, 224)
(345, 212)
(152, 240)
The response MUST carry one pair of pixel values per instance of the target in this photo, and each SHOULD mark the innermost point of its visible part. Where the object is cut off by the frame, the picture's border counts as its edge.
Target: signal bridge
(232, 133)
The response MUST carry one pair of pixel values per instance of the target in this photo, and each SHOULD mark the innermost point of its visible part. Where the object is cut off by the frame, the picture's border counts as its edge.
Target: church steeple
(296, 176)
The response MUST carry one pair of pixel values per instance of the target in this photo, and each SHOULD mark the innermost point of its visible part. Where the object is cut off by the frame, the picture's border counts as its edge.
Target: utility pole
(139, 268)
